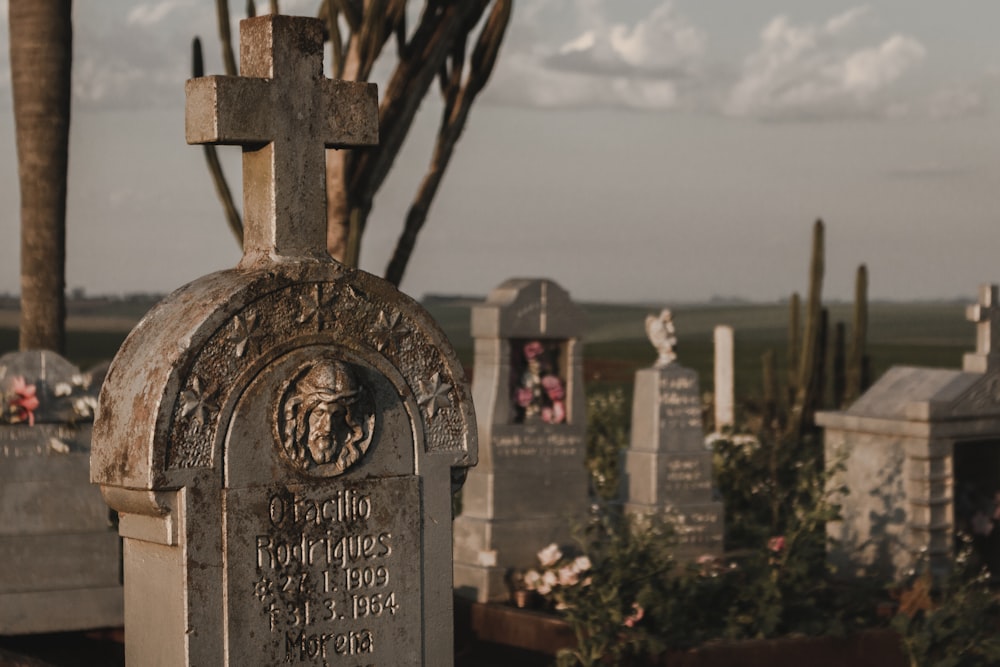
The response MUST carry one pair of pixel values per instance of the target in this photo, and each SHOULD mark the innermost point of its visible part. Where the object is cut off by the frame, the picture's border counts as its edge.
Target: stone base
(482, 584)
(699, 528)
(60, 611)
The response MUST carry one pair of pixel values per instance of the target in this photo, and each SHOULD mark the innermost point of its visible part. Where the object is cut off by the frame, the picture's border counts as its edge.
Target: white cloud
(812, 71)
(150, 14)
(642, 64)
(956, 102)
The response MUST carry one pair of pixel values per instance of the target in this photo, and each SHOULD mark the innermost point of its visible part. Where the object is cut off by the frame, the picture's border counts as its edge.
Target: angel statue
(663, 337)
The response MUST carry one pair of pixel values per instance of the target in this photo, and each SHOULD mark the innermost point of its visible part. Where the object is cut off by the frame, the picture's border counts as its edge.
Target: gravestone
(60, 555)
(722, 337)
(920, 456)
(531, 484)
(280, 438)
(667, 467)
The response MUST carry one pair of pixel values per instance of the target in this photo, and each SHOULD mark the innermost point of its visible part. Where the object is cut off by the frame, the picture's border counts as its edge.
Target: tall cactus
(856, 372)
(794, 345)
(802, 410)
(838, 363)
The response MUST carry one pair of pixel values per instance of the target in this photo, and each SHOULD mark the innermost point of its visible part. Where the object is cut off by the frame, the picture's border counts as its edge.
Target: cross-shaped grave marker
(986, 315)
(280, 439)
(284, 113)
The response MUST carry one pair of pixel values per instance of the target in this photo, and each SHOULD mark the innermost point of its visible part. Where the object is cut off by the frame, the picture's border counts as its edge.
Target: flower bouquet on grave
(540, 394)
(20, 401)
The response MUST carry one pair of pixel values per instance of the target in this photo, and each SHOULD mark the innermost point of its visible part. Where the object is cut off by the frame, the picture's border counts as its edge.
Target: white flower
(62, 389)
(568, 576)
(549, 580)
(531, 579)
(581, 564)
(550, 555)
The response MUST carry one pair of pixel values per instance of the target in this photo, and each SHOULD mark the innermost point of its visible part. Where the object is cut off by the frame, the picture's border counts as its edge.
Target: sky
(643, 151)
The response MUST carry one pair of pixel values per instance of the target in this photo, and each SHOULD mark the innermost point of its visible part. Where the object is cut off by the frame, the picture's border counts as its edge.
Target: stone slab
(71, 505)
(65, 610)
(59, 561)
(537, 492)
(44, 452)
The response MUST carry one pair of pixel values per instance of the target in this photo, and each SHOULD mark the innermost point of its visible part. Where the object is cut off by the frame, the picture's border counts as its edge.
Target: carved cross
(986, 315)
(285, 114)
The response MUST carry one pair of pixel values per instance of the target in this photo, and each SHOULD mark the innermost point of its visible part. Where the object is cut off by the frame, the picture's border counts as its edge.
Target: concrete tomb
(920, 452)
(60, 554)
(531, 484)
(281, 439)
(667, 467)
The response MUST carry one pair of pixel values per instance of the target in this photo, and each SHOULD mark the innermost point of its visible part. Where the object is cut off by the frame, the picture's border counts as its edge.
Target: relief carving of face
(324, 417)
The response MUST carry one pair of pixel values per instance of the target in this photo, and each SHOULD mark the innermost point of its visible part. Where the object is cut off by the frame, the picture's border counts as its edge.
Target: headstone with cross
(986, 315)
(280, 439)
(531, 486)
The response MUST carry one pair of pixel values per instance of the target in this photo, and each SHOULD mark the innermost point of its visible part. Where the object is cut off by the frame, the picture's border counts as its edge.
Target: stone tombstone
(280, 438)
(667, 467)
(60, 553)
(920, 455)
(531, 483)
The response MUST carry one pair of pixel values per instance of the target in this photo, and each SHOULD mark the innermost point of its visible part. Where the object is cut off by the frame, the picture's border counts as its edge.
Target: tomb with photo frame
(919, 453)
(531, 484)
(281, 439)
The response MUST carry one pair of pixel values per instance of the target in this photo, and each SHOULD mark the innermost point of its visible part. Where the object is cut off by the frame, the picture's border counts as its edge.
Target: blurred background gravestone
(667, 467)
(920, 452)
(280, 438)
(60, 554)
(531, 484)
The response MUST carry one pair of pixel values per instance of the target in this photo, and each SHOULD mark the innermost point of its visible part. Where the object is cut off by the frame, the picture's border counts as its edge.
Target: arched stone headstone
(280, 438)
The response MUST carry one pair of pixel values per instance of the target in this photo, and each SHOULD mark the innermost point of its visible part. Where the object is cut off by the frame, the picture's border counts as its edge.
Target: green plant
(629, 559)
(607, 437)
(953, 623)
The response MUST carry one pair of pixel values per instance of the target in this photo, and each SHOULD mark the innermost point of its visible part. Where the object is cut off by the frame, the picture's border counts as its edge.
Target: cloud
(642, 64)
(812, 71)
(146, 15)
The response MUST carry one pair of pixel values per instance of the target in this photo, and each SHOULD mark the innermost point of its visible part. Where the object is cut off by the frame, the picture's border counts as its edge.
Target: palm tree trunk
(41, 55)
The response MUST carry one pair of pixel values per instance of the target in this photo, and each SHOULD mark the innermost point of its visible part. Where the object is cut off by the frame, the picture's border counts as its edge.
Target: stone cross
(986, 315)
(284, 113)
(280, 439)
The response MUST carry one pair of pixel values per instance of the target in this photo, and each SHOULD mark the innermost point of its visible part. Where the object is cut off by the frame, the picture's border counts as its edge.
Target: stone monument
(280, 439)
(725, 396)
(667, 467)
(531, 484)
(60, 555)
(920, 452)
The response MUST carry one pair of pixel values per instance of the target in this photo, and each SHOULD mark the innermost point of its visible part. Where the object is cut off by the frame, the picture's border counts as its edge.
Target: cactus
(770, 381)
(857, 373)
(802, 410)
(838, 362)
(794, 344)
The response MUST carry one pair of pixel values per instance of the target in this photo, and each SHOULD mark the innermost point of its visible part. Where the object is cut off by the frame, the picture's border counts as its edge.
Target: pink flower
(533, 350)
(555, 414)
(553, 387)
(25, 402)
(523, 396)
(550, 555)
(776, 544)
(633, 619)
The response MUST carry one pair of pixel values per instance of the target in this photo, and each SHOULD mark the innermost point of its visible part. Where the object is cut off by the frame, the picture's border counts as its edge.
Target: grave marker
(920, 455)
(667, 468)
(60, 554)
(280, 438)
(531, 484)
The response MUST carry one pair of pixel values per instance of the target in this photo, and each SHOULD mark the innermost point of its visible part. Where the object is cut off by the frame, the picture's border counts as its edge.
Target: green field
(921, 334)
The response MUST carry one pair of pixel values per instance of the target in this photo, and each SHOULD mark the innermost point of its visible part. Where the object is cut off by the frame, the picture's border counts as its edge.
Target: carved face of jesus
(324, 419)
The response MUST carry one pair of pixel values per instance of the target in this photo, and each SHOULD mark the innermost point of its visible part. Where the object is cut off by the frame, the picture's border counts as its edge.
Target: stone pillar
(724, 392)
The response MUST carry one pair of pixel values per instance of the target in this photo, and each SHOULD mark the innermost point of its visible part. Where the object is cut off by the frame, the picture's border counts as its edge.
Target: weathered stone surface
(725, 398)
(531, 485)
(667, 469)
(280, 438)
(57, 544)
(920, 455)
